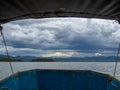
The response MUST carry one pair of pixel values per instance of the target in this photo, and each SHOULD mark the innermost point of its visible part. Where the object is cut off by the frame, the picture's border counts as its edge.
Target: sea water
(103, 67)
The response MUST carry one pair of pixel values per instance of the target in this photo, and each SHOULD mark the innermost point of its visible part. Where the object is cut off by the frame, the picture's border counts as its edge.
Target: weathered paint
(60, 80)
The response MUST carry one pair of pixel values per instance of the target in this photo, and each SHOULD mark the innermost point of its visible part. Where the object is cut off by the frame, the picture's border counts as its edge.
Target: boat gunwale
(100, 73)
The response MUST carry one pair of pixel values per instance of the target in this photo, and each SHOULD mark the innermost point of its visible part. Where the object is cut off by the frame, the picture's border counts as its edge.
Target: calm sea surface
(104, 67)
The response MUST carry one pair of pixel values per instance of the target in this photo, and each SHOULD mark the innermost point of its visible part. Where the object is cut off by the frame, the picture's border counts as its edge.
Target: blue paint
(60, 80)
(28, 80)
(11, 82)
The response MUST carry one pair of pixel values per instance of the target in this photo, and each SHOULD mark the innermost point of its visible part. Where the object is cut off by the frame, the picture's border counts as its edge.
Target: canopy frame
(11, 10)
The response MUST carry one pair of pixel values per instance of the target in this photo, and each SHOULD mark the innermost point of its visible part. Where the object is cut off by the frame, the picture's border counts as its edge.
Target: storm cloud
(79, 36)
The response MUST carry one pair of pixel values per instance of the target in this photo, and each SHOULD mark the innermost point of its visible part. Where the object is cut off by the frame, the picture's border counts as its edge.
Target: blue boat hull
(60, 80)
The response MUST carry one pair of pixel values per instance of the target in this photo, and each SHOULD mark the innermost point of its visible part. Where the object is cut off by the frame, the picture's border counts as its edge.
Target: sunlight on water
(104, 67)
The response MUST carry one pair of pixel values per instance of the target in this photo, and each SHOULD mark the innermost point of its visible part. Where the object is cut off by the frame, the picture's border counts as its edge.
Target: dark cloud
(84, 36)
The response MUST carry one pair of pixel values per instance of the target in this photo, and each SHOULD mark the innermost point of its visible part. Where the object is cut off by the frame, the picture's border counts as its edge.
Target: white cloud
(59, 54)
(98, 54)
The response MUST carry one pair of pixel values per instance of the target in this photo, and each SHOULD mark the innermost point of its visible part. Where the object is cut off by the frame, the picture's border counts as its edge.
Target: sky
(61, 37)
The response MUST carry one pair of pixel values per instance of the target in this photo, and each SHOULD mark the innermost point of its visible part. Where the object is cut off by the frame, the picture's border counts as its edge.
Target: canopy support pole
(116, 60)
(8, 57)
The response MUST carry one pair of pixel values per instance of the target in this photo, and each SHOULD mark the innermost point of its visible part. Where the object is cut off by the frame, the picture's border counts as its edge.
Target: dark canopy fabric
(23, 9)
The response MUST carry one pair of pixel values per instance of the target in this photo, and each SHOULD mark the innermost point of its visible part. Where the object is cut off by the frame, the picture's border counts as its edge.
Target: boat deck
(60, 80)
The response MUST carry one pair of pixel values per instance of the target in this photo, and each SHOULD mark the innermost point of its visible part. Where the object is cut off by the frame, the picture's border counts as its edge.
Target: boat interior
(60, 80)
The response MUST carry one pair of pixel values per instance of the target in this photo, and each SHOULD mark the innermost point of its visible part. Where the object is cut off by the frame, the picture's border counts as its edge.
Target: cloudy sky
(61, 37)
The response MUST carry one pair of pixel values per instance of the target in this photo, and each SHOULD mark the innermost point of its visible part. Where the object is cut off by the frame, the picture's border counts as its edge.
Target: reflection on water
(104, 67)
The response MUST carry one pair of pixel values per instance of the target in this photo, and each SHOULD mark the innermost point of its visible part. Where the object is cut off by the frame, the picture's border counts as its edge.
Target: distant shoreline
(58, 61)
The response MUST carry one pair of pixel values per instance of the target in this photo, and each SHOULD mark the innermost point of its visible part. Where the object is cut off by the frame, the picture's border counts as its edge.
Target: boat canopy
(22, 9)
